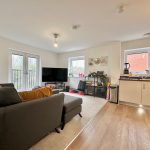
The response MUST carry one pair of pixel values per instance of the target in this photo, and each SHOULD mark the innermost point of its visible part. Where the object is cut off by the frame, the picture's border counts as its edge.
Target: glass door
(32, 71)
(17, 71)
(24, 70)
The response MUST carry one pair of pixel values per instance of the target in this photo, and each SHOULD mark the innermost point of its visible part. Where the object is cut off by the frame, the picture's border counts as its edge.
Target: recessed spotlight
(76, 26)
(140, 105)
(121, 8)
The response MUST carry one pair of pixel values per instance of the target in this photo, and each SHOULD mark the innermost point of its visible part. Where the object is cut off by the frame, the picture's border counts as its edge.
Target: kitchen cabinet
(137, 92)
(146, 93)
(130, 91)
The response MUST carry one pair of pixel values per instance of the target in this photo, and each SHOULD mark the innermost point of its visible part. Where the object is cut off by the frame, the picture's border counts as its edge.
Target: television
(54, 74)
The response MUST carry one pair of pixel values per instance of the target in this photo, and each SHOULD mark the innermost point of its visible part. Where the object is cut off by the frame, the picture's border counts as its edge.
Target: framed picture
(101, 61)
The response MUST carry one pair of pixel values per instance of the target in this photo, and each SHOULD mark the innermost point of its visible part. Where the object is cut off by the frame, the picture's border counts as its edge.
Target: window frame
(73, 59)
(137, 51)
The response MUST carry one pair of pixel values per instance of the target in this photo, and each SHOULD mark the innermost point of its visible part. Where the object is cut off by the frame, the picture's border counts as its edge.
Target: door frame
(25, 55)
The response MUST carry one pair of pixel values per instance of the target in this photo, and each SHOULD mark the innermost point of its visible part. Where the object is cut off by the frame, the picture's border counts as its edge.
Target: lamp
(56, 35)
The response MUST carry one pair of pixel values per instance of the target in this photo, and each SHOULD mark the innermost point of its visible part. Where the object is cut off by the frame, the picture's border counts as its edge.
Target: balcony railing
(32, 79)
(19, 79)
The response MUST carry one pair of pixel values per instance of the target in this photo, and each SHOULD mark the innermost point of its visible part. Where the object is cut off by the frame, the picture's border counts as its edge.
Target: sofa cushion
(71, 102)
(35, 94)
(8, 96)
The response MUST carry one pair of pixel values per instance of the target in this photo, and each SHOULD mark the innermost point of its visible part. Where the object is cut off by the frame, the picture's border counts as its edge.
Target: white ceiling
(32, 22)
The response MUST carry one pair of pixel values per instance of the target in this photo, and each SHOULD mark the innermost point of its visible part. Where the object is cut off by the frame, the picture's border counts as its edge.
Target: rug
(54, 141)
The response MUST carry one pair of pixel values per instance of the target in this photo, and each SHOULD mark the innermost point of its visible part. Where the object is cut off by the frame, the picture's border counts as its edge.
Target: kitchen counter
(130, 79)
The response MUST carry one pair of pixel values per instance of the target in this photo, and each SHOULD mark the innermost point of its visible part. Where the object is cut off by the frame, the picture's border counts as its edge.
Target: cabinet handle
(143, 86)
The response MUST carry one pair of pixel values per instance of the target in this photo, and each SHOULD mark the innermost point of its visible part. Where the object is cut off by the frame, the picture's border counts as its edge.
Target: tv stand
(57, 85)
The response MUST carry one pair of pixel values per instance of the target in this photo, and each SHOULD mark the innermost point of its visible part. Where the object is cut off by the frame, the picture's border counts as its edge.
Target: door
(17, 70)
(24, 70)
(32, 71)
(146, 93)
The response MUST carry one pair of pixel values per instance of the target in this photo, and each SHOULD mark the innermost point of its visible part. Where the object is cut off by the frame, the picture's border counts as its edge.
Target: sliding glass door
(24, 70)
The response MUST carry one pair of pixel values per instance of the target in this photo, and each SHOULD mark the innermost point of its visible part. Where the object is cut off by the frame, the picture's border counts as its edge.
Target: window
(138, 60)
(76, 66)
(24, 70)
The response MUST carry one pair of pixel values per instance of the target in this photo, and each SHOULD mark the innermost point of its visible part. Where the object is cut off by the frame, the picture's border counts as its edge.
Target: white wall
(115, 52)
(133, 44)
(48, 59)
(111, 50)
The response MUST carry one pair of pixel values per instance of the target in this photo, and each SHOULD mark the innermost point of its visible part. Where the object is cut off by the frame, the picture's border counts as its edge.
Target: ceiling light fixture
(56, 35)
(121, 8)
(76, 26)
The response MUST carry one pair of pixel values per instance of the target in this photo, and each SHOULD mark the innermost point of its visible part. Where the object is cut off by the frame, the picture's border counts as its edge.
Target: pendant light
(56, 35)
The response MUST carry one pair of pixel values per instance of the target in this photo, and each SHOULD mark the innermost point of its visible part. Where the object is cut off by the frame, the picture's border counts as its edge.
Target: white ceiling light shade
(55, 44)
(56, 35)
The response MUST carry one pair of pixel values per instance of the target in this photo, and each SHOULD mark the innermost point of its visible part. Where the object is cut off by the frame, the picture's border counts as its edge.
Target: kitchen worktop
(134, 78)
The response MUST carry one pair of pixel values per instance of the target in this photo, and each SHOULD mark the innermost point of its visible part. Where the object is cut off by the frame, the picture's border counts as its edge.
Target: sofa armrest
(26, 123)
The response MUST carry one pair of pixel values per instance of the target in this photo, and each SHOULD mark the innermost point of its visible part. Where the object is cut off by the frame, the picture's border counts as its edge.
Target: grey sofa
(24, 124)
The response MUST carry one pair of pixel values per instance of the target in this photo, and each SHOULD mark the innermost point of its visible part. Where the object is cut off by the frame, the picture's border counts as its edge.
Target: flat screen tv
(54, 74)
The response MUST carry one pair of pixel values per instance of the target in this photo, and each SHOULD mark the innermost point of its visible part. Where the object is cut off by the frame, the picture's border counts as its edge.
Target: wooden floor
(116, 127)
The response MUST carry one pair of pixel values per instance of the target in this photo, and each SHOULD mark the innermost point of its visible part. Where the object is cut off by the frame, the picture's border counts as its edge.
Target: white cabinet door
(146, 93)
(130, 91)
